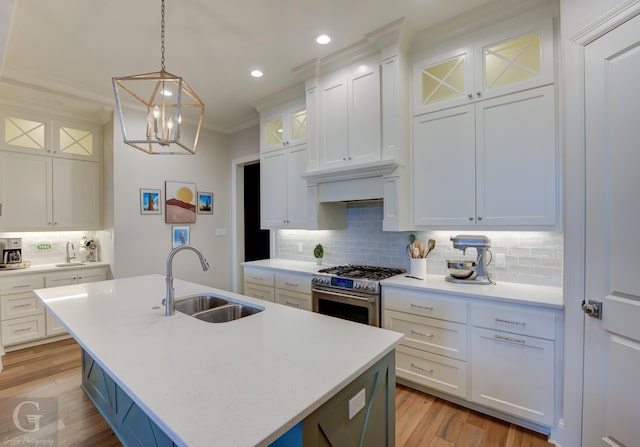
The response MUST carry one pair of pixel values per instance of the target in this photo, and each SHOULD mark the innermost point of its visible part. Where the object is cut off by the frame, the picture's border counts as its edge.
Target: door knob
(593, 308)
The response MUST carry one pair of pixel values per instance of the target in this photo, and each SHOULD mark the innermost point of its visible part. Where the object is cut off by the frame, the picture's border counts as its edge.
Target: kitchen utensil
(431, 244)
(462, 269)
(410, 251)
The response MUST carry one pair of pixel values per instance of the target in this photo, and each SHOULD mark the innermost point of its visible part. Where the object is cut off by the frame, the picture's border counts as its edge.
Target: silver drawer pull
(22, 305)
(519, 323)
(292, 304)
(255, 295)
(22, 286)
(291, 285)
(23, 329)
(421, 334)
(429, 308)
(429, 371)
(510, 339)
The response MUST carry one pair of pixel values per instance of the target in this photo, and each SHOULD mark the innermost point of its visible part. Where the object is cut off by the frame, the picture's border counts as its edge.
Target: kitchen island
(240, 383)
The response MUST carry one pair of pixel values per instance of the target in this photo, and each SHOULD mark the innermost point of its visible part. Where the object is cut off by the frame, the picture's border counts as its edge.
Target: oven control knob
(372, 287)
(356, 286)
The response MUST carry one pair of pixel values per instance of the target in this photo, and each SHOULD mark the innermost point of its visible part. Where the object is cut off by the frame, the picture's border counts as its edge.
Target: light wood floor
(53, 370)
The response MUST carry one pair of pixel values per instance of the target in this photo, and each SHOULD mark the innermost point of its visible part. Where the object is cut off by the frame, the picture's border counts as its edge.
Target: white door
(612, 344)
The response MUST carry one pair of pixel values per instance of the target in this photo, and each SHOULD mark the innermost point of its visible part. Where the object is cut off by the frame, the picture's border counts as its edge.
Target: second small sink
(214, 309)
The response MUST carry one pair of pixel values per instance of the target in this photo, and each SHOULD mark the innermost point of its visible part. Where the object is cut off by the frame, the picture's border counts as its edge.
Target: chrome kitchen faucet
(68, 257)
(170, 302)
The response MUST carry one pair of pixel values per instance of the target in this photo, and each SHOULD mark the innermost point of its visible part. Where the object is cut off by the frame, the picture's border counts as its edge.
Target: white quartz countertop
(240, 383)
(43, 268)
(288, 265)
(544, 296)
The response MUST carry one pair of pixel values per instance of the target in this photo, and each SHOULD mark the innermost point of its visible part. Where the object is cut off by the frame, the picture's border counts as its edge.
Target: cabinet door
(516, 159)
(334, 127)
(63, 278)
(25, 192)
(25, 133)
(446, 80)
(515, 60)
(296, 188)
(297, 127)
(273, 189)
(513, 373)
(92, 275)
(273, 133)
(364, 141)
(75, 140)
(77, 197)
(443, 166)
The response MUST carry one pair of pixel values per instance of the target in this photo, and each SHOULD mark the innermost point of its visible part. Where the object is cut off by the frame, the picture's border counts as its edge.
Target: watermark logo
(29, 422)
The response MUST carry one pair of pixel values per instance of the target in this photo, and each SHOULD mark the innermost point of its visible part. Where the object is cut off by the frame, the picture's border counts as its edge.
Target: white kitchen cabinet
(293, 289)
(349, 116)
(490, 64)
(259, 283)
(283, 191)
(50, 174)
(283, 126)
(490, 164)
(513, 360)
(433, 352)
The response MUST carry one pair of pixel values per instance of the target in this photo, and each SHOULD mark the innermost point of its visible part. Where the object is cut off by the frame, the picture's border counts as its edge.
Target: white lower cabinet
(22, 318)
(500, 356)
(289, 288)
(514, 371)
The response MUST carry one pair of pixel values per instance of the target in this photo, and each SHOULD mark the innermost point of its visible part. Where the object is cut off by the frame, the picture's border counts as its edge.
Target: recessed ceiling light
(323, 39)
(256, 73)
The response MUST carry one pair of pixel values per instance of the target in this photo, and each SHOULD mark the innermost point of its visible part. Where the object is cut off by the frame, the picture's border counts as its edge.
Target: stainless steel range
(351, 292)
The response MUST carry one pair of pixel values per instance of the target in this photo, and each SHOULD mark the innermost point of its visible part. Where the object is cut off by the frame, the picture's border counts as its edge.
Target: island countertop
(240, 383)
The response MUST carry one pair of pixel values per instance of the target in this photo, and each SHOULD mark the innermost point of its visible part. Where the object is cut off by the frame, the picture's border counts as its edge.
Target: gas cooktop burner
(362, 272)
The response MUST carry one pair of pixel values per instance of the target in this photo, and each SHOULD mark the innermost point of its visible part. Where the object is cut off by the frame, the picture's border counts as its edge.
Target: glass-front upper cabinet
(76, 140)
(286, 128)
(519, 58)
(24, 133)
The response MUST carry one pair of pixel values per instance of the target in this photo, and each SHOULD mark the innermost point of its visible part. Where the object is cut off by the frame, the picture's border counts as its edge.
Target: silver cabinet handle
(291, 285)
(470, 95)
(470, 218)
(479, 218)
(23, 329)
(428, 371)
(479, 93)
(505, 321)
(509, 339)
(292, 304)
(421, 334)
(427, 308)
(22, 305)
(22, 286)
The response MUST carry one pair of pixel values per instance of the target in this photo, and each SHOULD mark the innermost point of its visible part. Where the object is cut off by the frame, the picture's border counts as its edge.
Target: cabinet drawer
(515, 319)
(261, 292)
(64, 278)
(293, 299)
(435, 371)
(513, 373)
(23, 329)
(258, 276)
(92, 275)
(19, 305)
(21, 283)
(298, 282)
(428, 334)
(425, 303)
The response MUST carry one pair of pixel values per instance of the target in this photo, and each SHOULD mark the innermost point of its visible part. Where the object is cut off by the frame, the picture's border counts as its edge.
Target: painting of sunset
(180, 205)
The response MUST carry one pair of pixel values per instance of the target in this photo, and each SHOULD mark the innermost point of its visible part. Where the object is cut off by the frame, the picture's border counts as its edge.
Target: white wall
(141, 242)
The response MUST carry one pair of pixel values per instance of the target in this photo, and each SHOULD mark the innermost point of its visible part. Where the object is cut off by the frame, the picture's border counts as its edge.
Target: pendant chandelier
(174, 112)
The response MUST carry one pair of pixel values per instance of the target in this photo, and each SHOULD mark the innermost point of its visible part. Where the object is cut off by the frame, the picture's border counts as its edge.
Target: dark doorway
(256, 241)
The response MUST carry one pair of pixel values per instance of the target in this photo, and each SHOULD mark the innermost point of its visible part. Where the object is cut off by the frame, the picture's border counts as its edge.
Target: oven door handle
(345, 294)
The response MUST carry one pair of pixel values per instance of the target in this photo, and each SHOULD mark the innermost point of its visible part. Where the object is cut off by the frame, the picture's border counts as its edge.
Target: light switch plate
(356, 403)
(221, 231)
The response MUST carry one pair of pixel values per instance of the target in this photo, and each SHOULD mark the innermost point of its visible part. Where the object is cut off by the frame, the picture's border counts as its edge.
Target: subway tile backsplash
(530, 257)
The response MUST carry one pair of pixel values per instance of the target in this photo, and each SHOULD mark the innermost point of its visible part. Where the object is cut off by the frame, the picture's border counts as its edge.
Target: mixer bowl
(460, 269)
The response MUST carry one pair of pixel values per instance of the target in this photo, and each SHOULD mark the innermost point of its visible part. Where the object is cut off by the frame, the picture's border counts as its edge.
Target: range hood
(383, 180)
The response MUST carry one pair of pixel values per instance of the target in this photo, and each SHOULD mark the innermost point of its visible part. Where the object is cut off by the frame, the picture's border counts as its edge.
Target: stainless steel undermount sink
(70, 264)
(214, 309)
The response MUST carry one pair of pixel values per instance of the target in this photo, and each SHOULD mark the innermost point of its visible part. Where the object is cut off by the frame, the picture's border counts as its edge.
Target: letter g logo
(33, 419)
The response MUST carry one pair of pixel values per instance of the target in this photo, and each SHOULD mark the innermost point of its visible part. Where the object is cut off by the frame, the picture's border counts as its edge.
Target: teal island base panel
(360, 415)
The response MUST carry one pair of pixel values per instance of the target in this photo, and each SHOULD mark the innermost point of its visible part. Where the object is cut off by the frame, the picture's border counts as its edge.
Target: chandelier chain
(162, 70)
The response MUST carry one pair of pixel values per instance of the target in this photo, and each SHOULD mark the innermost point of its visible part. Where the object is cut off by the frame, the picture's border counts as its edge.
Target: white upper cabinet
(283, 126)
(349, 116)
(519, 58)
(50, 174)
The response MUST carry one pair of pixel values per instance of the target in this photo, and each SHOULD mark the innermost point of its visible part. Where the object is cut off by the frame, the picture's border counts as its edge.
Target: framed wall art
(150, 201)
(180, 202)
(179, 235)
(205, 202)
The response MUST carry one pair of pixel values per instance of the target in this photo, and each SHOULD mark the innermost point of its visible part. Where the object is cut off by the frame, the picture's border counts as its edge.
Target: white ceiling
(62, 53)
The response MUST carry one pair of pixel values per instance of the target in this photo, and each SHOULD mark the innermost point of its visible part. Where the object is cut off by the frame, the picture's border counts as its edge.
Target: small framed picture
(205, 202)
(179, 235)
(180, 202)
(150, 201)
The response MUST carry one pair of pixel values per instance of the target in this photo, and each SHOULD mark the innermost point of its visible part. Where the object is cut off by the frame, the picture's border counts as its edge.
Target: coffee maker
(475, 272)
(11, 251)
